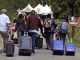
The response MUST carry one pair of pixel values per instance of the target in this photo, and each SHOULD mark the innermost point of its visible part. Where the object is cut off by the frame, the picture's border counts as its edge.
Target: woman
(47, 30)
(20, 25)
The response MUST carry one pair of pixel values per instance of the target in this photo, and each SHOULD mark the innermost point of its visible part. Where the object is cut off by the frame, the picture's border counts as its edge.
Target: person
(14, 19)
(4, 21)
(33, 24)
(67, 20)
(47, 30)
(14, 23)
(20, 27)
(72, 18)
(53, 30)
(63, 29)
(26, 19)
(14, 36)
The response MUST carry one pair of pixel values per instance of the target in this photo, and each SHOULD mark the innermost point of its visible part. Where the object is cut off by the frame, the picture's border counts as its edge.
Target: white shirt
(4, 19)
(72, 18)
(33, 31)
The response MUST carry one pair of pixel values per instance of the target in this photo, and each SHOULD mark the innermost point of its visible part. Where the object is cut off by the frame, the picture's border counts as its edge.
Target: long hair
(20, 16)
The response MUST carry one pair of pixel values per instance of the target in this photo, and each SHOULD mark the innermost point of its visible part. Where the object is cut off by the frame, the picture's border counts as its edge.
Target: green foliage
(60, 7)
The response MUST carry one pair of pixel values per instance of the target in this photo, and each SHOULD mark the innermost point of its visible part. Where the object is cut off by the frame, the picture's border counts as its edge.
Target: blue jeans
(20, 34)
(33, 35)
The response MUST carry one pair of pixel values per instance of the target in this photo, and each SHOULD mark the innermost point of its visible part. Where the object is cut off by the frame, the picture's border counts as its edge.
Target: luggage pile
(59, 48)
(25, 49)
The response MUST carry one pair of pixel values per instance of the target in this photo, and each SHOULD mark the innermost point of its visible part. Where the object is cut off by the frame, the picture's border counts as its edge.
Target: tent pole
(42, 2)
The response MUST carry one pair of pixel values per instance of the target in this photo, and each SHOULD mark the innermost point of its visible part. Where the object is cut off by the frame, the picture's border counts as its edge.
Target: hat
(4, 10)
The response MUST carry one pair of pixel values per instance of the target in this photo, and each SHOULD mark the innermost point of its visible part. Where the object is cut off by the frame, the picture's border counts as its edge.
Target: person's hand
(26, 33)
(43, 34)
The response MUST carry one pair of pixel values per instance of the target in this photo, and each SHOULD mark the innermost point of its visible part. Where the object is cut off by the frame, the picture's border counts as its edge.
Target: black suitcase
(39, 42)
(26, 47)
(10, 47)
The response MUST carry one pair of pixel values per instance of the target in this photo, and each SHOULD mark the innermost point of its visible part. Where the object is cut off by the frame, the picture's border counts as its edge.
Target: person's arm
(7, 22)
(16, 26)
(41, 27)
(27, 24)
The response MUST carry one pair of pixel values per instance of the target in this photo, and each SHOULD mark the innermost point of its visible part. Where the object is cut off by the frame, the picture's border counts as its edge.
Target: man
(63, 29)
(33, 24)
(4, 20)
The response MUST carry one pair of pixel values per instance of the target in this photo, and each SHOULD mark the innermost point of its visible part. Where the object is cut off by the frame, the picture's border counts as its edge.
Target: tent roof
(28, 8)
(38, 8)
(46, 10)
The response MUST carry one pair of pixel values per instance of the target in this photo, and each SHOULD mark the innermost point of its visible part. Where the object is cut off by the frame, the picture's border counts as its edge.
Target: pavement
(41, 55)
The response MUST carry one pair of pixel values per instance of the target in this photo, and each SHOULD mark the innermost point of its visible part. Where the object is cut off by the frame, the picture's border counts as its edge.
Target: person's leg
(33, 35)
(61, 36)
(1, 44)
(19, 38)
(5, 39)
(51, 38)
(48, 40)
(64, 36)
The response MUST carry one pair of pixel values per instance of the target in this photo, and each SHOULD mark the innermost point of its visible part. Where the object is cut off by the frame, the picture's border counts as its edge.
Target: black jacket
(20, 25)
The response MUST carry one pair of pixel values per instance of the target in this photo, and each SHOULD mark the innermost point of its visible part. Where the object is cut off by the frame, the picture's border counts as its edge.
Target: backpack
(47, 23)
(64, 27)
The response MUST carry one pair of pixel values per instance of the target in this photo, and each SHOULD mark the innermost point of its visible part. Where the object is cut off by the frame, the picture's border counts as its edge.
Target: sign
(73, 24)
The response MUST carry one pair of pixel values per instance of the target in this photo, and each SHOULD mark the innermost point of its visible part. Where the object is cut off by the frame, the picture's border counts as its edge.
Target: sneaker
(4, 50)
(1, 51)
(47, 48)
(33, 52)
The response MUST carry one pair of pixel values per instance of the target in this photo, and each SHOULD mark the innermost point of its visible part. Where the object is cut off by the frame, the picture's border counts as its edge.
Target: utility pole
(42, 2)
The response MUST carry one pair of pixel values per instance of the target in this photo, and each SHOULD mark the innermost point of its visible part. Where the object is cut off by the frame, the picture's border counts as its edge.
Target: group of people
(30, 25)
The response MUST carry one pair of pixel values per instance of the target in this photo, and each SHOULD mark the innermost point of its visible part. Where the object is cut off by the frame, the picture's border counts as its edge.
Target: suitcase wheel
(58, 52)
(70, 53)
(9, 55)
(24, 53)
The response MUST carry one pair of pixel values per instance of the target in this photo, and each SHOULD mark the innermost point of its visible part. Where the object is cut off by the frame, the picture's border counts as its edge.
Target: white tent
(46, 10)
(30, 6)
(19, 11)
(27, 9)
(38, 8)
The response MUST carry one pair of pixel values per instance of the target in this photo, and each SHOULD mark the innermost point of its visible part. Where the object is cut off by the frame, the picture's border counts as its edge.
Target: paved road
(41, 55)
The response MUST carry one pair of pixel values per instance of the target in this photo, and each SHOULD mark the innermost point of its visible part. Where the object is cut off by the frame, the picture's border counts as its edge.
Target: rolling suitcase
(57, 47)
(39, 42)
(70, 48)
(26, 46)
(10, 47)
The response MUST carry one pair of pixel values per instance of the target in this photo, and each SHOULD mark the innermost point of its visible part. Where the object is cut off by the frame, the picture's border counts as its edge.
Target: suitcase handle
(25, 33)
(70, 38)
(9, 35)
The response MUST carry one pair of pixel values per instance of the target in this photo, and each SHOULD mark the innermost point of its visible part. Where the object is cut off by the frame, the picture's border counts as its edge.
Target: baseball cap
(4, 10)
